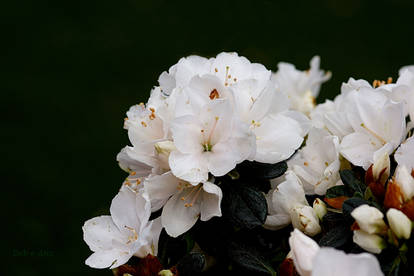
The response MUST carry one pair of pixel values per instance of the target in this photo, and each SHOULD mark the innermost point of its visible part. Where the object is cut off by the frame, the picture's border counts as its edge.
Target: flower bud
(320, 208)
(405, 181)
(165, 272)
(369, 219)
(381, 168)
(370, 242)
(305, 219)
(164, 149)
(400, 224)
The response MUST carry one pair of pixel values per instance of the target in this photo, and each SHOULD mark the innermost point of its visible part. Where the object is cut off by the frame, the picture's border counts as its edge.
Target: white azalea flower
(145, 129)
(310, 259)
(378, 125)
(333, 115)
(287, 204)
(253, 96)
(127, 232)
(185, 202)
(317, 164)
(212, 141)
(404, 154)
(302, 87)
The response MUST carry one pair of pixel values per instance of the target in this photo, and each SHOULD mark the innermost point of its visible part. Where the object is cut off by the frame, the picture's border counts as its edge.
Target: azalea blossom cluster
(207, 118)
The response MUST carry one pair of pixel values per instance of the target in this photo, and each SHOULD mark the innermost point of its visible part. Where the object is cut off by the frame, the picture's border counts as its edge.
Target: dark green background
(70, 70)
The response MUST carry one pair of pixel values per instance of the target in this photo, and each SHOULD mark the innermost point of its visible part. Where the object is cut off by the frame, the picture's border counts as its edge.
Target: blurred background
(71, 69)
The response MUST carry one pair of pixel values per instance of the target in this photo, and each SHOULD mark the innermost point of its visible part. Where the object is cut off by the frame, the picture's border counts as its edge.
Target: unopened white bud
(370, 242)
(164, 149)
(320, 208)
(399, 223)
(405, 181)
(165, 272)
(381, 164)
(305, 219)
(369, 219)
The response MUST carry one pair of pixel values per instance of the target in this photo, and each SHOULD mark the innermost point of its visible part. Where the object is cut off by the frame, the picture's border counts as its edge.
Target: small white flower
(287, 204)
(378, 124)
(212, 141)
(399, 223)
(311, 260)
(317, 164)
(127, 232)
(370, 242)
(184, 202)
(369, 219)
(302, 87)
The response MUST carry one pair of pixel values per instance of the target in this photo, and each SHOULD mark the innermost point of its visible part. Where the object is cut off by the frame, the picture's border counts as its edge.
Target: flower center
(214, 94)
(134, 235)
(207, 145)
(192, 195)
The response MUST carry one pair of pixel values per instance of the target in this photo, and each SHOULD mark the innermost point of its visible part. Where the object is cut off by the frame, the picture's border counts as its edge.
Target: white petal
(304, 250)
(108, 258)
(158, 188)
(129, 210)
(404, 155)
(186, 132)
(190, 167)
(210, 201)
(222, 159)
(278, 137)
(99, 232)
(277, 221)
(359, 148)
(330, 261)
(176, 218)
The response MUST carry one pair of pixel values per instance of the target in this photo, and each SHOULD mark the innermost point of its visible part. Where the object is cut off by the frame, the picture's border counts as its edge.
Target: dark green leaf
(245, 206)
(170, 250)
(349, 179)
(249, 258)
(261, 170)
(337, 236)
(191, 264)
(337, 191)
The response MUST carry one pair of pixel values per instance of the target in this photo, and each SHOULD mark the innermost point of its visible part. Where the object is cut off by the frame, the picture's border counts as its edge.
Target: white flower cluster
(208, 115)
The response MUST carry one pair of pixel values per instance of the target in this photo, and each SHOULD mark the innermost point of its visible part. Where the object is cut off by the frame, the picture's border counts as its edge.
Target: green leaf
(170, 249)
(249, 258)
(349, 179)
(262, 170)
(191, 264)
(337, 191)
(245, 206)
(336, 237)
